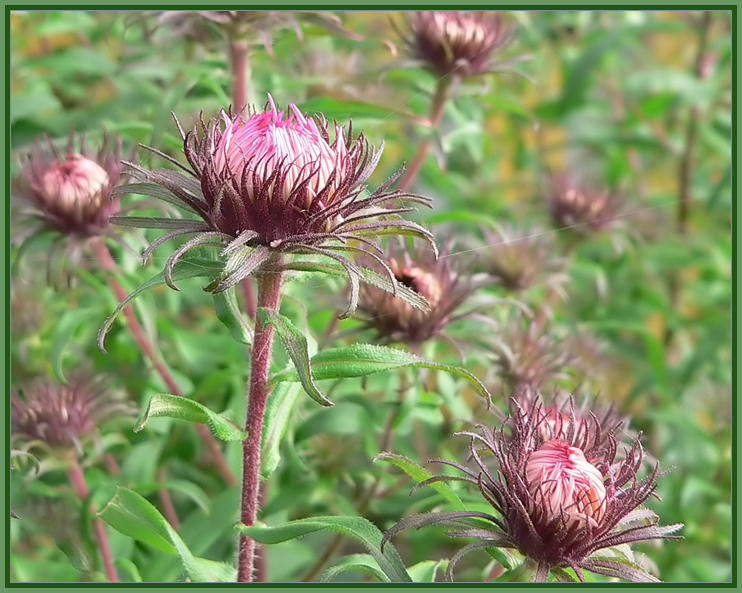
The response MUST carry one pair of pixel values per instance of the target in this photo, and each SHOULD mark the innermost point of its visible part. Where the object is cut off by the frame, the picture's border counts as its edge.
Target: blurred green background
(612, 95)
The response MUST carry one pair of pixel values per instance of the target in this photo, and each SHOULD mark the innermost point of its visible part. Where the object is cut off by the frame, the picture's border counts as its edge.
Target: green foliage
(609, 94)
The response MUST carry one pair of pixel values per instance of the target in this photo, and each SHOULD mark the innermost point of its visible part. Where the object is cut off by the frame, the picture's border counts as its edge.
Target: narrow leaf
(356, 527)
(419, 474)
(359, 360)
(229, 313)
(182, 408)
(183, 269)
(297, 348)
(356, 562)
(277, 414)
(151, 222)
(369, 276)
(134, 516)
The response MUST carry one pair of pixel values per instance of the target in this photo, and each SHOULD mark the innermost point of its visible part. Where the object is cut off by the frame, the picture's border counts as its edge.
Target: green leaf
(129, 567)
(134, 516)
(359, 360)
(356, 527)
(228, 311)
(427, 570)
(68, 323)
(506, 558)
(173, 406)
(381, 281)
(357, 562)
(183, 269)
(277, 414)
(189, 489)
(419, 474)
(297, 348)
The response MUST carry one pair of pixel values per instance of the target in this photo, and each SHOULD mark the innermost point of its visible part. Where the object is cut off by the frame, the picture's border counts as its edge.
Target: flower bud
(438, 281)
(575, 204)
(73, 192)
(564, 485)
(63, 416)
(455, 42)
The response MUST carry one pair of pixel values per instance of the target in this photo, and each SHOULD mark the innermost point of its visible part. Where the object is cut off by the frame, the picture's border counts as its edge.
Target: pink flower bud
(266, 142)
(73, 192)
(565, 485)
(74, 185)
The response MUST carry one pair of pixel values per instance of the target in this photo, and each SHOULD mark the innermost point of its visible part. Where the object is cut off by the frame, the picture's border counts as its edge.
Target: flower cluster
(561, 493)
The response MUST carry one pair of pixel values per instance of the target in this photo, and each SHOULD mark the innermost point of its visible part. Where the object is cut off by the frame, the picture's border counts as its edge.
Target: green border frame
(345, 5)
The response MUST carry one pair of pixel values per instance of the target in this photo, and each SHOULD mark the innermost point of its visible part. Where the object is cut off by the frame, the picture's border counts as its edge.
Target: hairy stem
(269, 296)
(435, 115)
(109, 265)
(77, 479)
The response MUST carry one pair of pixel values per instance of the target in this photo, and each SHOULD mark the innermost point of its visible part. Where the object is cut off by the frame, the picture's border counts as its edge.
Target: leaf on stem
(182, 408)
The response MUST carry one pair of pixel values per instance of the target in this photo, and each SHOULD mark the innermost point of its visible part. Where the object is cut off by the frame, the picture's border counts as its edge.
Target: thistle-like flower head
(558, 498)
(275, 182)
(72, 192)
(519, 259)
(526, 355)
(453, 41)
(574, 203)
(438, 280)
(200, 25)
(64, 416)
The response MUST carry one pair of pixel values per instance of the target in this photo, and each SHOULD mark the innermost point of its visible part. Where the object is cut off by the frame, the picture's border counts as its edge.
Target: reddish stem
(111, 464)
(436, 113)
(77, 478)
(109, 265)
(238, 57)
(269, 295)
(167, 502)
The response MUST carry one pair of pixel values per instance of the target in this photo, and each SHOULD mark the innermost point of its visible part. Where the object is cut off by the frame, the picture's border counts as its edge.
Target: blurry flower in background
(203, 25)
(527, 355)
(72, 192)
(577, 205)
(562, 505)
(455, 42)
(440, 281)
(64, 417)
(277, 183)
(521, 258)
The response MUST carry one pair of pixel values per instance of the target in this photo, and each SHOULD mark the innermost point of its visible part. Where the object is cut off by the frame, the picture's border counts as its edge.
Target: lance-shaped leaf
(358, 563)
(228, 312)
(296, 346)
(277, 414)
(240, 265)
(427, 570)
(359, 360)
(183, 269)
(381, 281)
(134, 516)
(182, 408)
(356, 527)
(419, 474)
